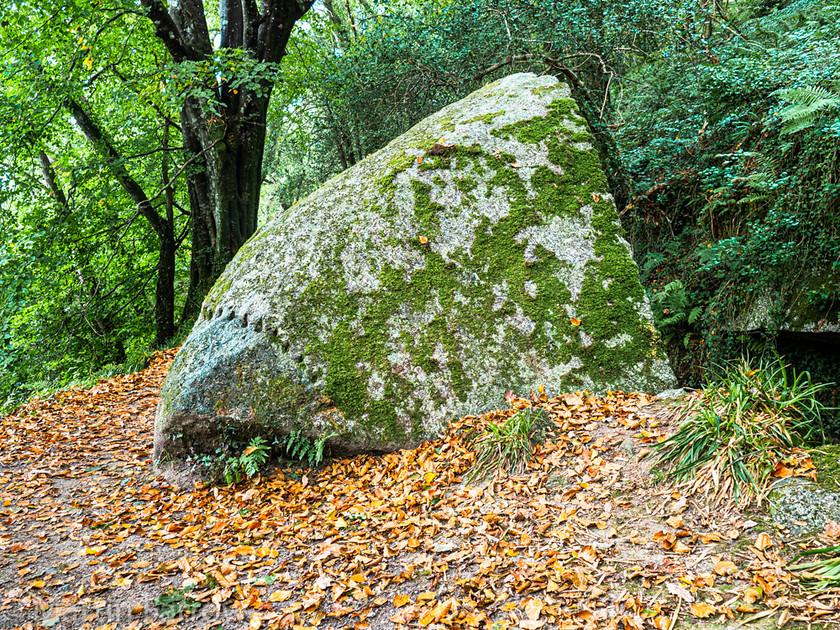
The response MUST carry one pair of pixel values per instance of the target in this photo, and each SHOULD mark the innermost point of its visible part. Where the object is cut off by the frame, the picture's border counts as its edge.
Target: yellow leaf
(763, 541)
(702, 610)
(279, 596)
(401, 600)
(676, 522)
(725, 567)
(752, 594)
(575, 321)
(38, 583)
(424, 240)
(358, 577)
(681, 548)
(88, 63)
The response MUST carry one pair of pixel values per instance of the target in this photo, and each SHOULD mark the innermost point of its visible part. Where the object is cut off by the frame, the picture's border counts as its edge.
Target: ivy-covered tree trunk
(225, 134)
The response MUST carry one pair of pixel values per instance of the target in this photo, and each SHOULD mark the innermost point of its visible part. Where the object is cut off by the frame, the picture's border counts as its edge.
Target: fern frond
(805, 106)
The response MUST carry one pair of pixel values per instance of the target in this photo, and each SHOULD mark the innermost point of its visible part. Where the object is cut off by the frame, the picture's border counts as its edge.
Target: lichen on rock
(478, 252)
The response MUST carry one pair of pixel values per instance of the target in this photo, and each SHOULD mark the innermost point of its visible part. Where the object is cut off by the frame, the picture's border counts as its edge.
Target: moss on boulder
(478, 252)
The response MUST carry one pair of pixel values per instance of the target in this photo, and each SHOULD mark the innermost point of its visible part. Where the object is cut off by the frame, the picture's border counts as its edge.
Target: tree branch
(167, 31)
(115, 162)
(51, 181)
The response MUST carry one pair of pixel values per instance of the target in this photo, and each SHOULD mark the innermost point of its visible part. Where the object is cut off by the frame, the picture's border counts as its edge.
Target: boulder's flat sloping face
(476, 253)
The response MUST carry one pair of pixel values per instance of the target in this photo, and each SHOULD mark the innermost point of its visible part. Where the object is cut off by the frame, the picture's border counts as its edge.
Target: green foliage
(176, 601)
(805, 106)
(355, 80)
(730, 197)
(248, 463)
(826, 459)
(508, 446)
(821, 574)
(740, 426)
(672, 310)
(77, 264)
(303, 449)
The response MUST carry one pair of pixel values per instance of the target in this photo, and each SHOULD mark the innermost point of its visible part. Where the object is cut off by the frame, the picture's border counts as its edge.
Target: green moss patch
(827, 461)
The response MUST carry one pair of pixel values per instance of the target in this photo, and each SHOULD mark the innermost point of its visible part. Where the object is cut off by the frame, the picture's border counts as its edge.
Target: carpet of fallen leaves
(91, 535)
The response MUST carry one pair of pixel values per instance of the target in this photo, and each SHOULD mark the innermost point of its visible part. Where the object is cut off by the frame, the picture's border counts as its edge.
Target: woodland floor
(90, 535)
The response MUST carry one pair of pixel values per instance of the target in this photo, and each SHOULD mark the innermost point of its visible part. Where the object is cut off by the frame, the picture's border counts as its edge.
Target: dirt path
(90, 536)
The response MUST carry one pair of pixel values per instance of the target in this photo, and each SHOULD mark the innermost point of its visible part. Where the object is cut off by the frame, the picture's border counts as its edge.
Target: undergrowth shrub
(248, 463)
(174, 602)
(735, 433)
(508, 445)
(301, 448)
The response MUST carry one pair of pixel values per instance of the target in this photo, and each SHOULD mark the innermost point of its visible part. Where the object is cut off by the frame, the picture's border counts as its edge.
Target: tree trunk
(165, 288)
(224, 192)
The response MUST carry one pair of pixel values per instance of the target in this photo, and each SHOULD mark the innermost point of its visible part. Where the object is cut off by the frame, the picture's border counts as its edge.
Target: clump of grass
(508, 445)
(822, 574)
(734, 434)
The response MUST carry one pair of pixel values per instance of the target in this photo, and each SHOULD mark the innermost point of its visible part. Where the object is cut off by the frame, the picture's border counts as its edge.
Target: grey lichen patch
(803, 507)
(421, 284)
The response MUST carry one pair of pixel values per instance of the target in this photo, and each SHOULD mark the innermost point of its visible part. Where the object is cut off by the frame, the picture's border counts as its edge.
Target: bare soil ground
(92, 537)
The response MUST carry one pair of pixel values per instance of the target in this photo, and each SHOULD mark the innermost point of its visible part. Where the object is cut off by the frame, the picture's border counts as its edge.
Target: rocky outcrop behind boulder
(478, 252)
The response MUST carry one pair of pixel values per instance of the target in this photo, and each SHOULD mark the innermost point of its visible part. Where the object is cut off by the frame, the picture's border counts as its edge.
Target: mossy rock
(478, 252)
(803, 507)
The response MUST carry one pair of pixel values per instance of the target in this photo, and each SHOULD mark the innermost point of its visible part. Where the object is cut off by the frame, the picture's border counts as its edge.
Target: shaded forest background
(718, 123)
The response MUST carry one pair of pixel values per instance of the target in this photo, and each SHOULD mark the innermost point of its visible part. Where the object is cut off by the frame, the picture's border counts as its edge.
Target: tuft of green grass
(821, 574)
(734, 433)
(508, 446)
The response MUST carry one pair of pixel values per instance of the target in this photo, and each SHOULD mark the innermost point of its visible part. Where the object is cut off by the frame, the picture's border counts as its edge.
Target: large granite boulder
(478, 252)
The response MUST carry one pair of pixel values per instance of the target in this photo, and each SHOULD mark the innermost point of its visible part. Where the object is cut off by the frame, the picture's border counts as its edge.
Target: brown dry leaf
(533, 607)
(763, 541)
(679, 547)
(702, 610)
(832, 530)
(679, 506)
(332, 535)
(725, 567)
(280, 596)
(752, 594)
